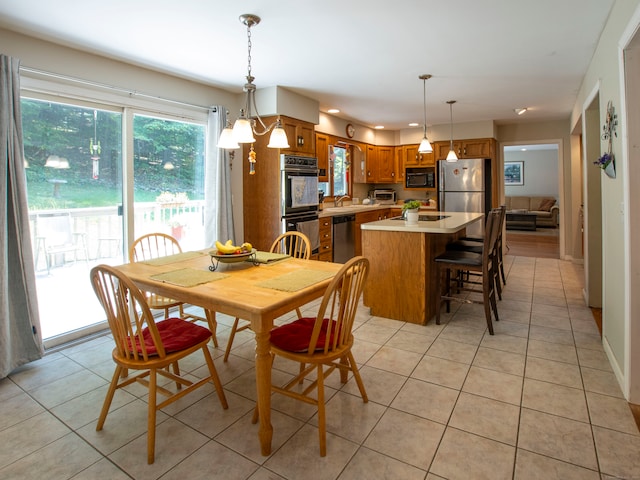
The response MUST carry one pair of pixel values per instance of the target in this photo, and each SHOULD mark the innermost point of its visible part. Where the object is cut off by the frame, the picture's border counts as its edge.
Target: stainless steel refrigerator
(465, 186)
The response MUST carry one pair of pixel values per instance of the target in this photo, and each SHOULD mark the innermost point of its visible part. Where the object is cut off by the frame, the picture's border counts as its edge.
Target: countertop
(453, 222)
(353, 209)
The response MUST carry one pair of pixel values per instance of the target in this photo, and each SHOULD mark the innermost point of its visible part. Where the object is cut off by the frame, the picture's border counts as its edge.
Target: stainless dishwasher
(344, 238)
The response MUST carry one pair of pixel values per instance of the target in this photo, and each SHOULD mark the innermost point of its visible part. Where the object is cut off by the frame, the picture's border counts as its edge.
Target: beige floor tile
(510, 327)
(28, 436)
(212, 460)
(461, 453)
(426, 400)
(600, 381)
(450, 350)
(531, 466)
(611, 412)
(242, 436)
(410, 341)
(441, 371)
(553, 372)
(500, 361)
(555, 399)
(463, 333)
(507, 343)
(395, 360)
(18, 408)
(133, 457)
(67, 388)
(102, 469)
(618, 453)
(63, 458)
(369, 464)
(381, 386)
(550, 334)
(486, 417)
(349, 417)
(551, 321)
(374, 333)
(496, 385)
(209, 418)
(552, 310)
(557, 437)
(590, 341)
(593, 359)
(300, 457)
(37, 374)
(552, 351)
(407, 438)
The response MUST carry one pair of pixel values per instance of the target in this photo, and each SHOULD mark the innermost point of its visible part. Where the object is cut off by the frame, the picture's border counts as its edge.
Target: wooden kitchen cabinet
(386, 159)
(326, 240)
(366, 217)
(262, 216)
(472, 148)
(399, 158)
(301, 136)
(322, 154)
(414, 159)
(381, 164)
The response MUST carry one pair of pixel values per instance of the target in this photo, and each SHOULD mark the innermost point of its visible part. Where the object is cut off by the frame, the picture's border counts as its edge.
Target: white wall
(604, 71)
(540, 173)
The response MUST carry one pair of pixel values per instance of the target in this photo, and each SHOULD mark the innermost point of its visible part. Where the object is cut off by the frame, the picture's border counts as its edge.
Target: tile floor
(538, 400)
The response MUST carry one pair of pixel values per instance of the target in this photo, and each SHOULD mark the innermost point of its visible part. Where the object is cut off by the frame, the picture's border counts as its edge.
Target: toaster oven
(383, 196)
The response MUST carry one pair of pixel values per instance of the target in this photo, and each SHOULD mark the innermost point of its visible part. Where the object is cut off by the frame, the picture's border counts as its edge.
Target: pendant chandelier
(249, 122)
(451, 156)
(425, 146)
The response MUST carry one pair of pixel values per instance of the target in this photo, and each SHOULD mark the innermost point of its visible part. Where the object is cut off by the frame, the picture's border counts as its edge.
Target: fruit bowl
(230, 258)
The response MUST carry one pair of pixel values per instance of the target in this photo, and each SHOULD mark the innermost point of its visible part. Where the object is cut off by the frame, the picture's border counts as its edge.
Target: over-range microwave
(420, 177)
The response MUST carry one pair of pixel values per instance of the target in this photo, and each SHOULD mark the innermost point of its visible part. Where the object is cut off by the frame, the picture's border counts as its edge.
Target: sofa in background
(545, 208)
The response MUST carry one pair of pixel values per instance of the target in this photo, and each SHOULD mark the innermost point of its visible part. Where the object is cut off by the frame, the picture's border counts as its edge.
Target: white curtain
(218, 221)
(20, 337)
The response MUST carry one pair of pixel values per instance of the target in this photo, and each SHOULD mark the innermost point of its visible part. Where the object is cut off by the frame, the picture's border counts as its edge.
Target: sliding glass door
(73, 158)
(75, 164)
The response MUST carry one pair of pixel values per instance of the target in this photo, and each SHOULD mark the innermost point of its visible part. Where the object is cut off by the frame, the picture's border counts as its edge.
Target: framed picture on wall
(514, 173)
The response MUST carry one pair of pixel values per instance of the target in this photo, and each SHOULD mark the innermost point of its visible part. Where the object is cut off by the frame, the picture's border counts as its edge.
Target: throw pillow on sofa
(546, 204)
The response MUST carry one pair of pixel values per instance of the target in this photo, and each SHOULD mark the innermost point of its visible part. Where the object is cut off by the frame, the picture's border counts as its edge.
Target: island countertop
(439, 222)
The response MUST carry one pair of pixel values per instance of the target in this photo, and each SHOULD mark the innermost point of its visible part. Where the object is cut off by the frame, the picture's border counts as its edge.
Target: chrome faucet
(340, 200)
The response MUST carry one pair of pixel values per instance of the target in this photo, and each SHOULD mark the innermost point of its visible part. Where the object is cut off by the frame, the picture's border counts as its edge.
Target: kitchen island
(402, 278)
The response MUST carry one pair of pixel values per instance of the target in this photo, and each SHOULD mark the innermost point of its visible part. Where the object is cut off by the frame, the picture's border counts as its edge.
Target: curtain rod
(131, 93)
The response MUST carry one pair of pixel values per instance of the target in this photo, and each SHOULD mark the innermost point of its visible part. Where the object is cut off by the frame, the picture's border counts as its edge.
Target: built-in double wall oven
(299, 197)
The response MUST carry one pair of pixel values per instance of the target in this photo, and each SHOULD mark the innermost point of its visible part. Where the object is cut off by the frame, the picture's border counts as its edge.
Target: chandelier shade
(425, 145)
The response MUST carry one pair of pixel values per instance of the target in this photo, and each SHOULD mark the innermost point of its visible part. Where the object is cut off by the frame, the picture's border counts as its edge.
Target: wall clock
(350, 130)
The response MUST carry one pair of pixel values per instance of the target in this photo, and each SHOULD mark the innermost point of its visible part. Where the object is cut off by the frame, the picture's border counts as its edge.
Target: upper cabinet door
(322, 154)
(386, 161)
(301, 136)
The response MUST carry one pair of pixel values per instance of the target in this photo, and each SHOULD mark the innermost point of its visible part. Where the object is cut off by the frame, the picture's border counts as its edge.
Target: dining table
(259, 288)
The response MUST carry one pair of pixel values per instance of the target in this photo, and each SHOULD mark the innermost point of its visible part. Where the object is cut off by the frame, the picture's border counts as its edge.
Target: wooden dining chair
(148, 348)
(291, 243)
(483, 263)
(156, 245)
(323, 341)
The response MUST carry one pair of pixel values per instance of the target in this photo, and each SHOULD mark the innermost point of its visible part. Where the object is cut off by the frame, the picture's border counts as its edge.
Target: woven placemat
(268, 257)
(178, 257)
(294, 281)
(188, 277)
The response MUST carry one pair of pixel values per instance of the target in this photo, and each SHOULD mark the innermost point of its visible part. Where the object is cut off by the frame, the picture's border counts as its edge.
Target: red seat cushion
(295, 336)
(176, 335)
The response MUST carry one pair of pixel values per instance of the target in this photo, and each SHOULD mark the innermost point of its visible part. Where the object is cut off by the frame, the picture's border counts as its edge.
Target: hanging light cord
(424, 103)
(451, 123)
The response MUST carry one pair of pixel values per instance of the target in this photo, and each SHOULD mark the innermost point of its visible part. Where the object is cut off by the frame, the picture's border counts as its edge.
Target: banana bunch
(228, 248)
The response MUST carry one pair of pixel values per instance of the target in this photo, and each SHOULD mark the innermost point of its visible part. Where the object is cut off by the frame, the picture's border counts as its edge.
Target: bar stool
(475, 245)
(484, 263)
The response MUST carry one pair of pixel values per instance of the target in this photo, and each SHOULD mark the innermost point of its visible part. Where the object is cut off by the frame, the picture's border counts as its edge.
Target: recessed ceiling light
(379, 127)
(333, 110)
(414, 124)
(523, 149)
(520, 111)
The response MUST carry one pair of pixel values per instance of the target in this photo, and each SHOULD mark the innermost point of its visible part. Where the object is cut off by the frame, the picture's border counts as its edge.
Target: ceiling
(361, 56)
